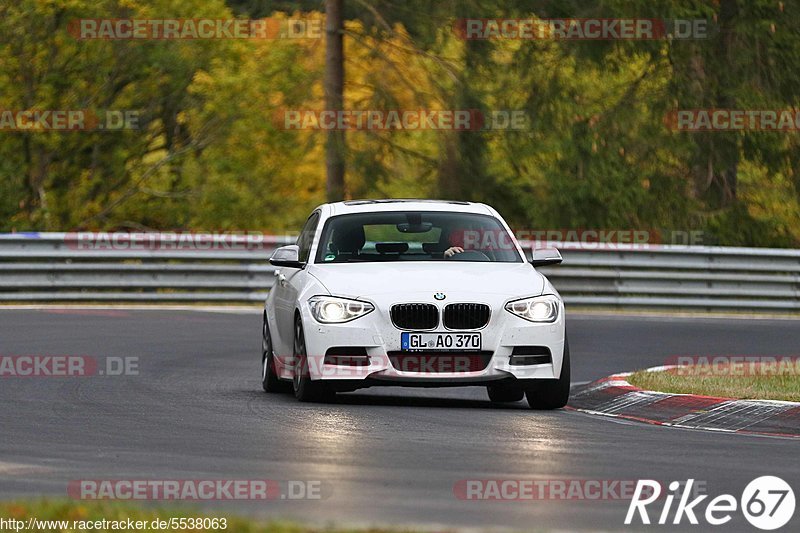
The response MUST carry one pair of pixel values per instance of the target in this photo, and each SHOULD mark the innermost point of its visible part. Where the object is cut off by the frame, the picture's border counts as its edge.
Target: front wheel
(305, 389)
(551, 393)
(269, 374)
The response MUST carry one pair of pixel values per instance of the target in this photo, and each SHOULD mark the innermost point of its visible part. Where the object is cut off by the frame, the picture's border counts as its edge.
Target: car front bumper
(380, 339)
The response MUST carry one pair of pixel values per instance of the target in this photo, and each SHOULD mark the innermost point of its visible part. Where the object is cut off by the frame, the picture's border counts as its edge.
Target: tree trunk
(728, 141)
(334, 97)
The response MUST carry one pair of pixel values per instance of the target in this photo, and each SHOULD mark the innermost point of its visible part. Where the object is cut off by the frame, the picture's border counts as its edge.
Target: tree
(334, 97)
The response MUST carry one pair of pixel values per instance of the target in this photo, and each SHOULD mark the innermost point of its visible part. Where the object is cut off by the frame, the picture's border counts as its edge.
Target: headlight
(536, 309)
(333, 310)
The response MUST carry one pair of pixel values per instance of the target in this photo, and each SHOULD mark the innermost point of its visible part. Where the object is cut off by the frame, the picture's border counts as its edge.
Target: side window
(306, 238)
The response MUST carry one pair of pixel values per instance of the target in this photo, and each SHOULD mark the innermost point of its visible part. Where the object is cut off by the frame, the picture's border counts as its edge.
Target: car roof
(406, 204)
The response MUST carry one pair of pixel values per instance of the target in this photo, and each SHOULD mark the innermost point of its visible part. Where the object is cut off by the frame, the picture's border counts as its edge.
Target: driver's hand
(453, 250)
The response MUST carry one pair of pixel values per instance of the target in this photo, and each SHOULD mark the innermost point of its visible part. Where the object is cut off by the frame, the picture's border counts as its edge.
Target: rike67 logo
(767, 503)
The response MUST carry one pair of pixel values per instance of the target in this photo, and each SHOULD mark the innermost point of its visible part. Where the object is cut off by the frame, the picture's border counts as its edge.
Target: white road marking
(16, 469)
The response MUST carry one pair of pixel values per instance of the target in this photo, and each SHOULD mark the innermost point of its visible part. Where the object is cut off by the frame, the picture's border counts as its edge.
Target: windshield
(415, 236)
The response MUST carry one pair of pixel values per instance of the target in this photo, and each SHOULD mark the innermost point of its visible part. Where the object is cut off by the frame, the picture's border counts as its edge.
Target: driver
(464, 239)
(453, 250)
(454, 237)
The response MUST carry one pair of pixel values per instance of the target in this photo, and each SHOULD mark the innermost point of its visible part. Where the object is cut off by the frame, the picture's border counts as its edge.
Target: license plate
(418, 342)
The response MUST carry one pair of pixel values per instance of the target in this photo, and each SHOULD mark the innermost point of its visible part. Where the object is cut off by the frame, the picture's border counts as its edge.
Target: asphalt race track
(385, 456)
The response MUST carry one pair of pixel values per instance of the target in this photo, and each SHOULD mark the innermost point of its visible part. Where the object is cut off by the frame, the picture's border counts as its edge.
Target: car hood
(365, 280)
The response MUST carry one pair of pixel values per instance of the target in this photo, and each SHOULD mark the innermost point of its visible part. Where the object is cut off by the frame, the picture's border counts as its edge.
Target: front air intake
(530, 355)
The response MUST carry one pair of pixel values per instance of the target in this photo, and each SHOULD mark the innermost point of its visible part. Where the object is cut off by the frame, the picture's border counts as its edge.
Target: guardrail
(59, 267)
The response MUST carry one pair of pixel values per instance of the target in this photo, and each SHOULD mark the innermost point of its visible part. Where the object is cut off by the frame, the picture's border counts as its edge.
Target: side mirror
(287, 256)
(546, 256)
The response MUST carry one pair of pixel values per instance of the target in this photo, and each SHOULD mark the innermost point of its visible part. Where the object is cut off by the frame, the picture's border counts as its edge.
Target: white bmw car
(413, 293)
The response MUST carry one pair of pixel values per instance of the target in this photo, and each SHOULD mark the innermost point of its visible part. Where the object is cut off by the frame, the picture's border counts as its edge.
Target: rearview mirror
(408, 227)
(287, 256)
(546, 256)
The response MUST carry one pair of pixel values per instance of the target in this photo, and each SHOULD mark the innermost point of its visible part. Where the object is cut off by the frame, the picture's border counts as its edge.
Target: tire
(551, 393)
(270, 381)
(505, 393)
(306, 390)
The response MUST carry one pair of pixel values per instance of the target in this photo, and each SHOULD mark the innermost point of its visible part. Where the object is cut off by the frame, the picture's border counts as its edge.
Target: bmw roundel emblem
(439, 296)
